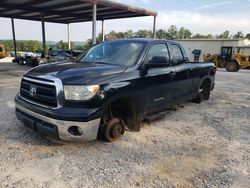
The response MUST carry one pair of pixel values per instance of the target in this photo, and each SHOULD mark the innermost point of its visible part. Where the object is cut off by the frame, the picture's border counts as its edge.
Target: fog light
(80, 131)
(75, 131)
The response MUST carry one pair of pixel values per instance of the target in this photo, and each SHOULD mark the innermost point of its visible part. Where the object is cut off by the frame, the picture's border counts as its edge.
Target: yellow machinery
(2, 51)
(231, 58)
(212, 58)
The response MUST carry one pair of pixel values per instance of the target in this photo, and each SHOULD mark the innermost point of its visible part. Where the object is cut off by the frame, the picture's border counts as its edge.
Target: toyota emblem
(32, 91)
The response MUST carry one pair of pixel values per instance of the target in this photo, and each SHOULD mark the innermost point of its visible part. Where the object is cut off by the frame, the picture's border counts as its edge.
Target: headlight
(80, 92)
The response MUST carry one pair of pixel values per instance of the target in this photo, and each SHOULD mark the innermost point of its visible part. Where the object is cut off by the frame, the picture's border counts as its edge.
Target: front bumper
(55, 128)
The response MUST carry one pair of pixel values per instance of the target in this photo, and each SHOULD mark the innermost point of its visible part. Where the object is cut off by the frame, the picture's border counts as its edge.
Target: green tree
(32, 46)
(61, 45)
(225, 35)
(173, 32)
(78, 47)
(184, 33)
(181, 33)
(129, 34)
(143, 33)
(162, 34)
(247, 35)
(112, 35)
(238, 35)
(8, 44)
(200, 36)
(188, 34)
(209, 36)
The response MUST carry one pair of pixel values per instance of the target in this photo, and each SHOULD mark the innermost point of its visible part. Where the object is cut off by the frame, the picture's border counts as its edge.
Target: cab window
(177, 54)
(158, 54)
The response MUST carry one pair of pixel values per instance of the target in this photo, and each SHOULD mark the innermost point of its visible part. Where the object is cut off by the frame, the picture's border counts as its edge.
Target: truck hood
(72, 72)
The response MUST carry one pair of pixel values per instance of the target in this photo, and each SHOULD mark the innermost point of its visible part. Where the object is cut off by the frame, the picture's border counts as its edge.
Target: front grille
(44, 94)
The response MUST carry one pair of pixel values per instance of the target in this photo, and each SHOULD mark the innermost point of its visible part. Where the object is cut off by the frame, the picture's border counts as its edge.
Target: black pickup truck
(112, 88)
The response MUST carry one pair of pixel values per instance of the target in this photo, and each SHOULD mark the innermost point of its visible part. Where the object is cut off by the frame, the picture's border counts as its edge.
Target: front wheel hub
(114, 130)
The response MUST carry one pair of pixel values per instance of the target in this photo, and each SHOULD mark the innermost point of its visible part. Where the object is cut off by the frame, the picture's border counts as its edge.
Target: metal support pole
(154, 28)
(14, 36)
(43, 36)
(94, 24)
(69, 37)
(103, 35)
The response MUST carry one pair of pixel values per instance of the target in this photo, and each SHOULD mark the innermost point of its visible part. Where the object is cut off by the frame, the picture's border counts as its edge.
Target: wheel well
(125, 109)
(206, 82)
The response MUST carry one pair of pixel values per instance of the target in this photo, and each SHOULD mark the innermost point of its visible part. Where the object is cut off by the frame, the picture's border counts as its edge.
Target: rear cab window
(177, 54)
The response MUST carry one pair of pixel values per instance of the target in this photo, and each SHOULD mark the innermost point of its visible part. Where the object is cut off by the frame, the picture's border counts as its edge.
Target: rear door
(183, 70)
(159, 78)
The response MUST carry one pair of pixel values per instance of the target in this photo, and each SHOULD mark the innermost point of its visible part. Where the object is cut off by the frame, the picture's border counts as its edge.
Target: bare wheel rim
(113, 130)
(116, 131)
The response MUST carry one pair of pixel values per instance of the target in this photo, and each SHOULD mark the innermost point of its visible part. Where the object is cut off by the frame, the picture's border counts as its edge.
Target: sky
(199, 16)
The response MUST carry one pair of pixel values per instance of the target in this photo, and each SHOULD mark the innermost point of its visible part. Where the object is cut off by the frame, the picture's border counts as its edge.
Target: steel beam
(69, 37)
(154, 28)
(103, 34)
(94, 24)
(14, 36)
(43, 34)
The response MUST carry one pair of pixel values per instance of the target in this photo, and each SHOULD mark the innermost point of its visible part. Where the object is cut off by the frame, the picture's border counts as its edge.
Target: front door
(159, 78)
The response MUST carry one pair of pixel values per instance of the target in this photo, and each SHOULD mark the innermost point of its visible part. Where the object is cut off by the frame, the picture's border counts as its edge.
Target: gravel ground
(199, 145)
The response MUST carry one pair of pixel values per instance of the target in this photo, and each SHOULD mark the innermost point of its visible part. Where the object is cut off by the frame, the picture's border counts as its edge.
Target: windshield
(116, 52)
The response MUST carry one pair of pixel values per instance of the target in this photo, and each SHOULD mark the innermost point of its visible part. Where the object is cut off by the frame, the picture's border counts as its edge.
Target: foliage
(225, 35)
(61, 45)
(171, 33)
(26, 46)
(184, 33)
(239, 35)
(200, 36)
(247, 36)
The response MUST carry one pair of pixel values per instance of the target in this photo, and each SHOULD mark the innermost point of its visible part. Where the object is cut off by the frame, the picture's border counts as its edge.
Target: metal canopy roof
(68, 11)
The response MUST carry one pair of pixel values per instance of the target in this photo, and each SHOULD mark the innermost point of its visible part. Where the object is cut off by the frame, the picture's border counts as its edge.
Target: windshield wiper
(101, 62)
(98, 62)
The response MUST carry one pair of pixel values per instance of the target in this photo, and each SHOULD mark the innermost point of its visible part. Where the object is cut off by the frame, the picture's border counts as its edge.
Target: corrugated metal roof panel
(68, 11)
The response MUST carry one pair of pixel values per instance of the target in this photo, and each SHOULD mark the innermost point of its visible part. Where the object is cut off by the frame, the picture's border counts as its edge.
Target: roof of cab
(143, 39)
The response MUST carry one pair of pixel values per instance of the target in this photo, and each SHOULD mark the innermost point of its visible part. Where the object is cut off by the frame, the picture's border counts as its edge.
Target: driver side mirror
(158, 61)
(186, 59)
(155, 62)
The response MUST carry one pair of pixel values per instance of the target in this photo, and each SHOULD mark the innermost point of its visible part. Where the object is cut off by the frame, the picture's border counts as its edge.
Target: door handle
(172, 73)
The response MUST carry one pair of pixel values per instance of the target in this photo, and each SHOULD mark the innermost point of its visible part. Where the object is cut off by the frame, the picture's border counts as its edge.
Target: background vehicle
(2, 51)
(231, 58)
(25, 58)
(61, 55)
(111, 89)
(35, 59)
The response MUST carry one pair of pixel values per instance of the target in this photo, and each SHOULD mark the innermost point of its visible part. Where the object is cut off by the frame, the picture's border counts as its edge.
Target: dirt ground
(199, 145)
